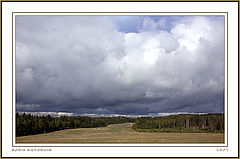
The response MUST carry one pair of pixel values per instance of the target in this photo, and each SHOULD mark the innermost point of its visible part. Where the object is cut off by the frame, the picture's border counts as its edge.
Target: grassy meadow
(119, 133)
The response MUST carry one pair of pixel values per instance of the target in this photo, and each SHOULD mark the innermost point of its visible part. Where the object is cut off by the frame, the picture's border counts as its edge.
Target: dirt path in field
(119, 133)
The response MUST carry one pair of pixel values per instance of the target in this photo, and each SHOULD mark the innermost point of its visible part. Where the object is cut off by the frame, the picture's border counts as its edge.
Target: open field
(119, 133)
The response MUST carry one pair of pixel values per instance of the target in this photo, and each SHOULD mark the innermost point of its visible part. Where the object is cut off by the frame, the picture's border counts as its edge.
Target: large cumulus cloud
(88, 64)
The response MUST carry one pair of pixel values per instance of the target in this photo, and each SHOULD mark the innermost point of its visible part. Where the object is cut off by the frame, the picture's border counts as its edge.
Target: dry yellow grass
(119, 133)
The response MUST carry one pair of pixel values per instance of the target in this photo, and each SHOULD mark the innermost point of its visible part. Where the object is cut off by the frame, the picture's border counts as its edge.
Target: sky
(120, 64)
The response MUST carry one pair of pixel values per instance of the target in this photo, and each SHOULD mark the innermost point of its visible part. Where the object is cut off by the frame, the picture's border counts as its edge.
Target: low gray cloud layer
(84, 64)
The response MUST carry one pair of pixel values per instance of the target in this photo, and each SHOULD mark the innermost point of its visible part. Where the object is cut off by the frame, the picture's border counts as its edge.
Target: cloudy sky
(120, 64)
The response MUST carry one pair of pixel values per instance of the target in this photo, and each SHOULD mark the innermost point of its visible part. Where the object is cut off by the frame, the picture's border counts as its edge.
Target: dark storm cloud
(84, 64)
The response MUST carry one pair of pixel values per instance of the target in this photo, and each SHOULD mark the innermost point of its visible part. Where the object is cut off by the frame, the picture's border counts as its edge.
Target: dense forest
(27, 124)
(181, 123)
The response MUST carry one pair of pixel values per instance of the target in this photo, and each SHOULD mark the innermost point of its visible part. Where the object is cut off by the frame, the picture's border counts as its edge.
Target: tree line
(181, 123)
(27, 124)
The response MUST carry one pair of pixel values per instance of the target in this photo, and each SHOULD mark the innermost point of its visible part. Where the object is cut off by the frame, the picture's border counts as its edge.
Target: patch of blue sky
(135, 24)
(127, 24)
